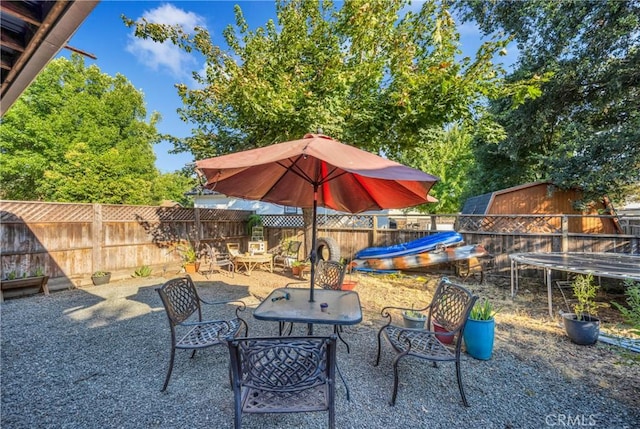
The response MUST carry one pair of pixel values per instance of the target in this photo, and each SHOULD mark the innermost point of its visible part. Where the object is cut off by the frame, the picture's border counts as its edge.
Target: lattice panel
(324, 221)
(148, 213)
(510, 224)
(283, 221)
(35, 212)
(226, 215)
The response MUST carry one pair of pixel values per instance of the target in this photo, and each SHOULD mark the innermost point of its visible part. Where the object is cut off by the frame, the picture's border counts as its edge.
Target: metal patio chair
(216, 261)
(283, 375)
(450, 307)
(188, 330)
(328, 275)
(286, 253)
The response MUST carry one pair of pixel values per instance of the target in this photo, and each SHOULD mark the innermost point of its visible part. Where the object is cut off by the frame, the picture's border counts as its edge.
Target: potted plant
(582, 326)
(413, 319)
(34, 279)
(101, 278)
(479, 330)
(189, 256)
(299, 267)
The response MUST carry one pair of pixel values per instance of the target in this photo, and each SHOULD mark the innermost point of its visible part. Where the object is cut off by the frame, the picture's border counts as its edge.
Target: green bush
(143, 271)
(631, 315)
(585, 291)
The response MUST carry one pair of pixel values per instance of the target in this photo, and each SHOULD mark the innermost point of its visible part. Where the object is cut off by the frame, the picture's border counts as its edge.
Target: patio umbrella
(317, 171)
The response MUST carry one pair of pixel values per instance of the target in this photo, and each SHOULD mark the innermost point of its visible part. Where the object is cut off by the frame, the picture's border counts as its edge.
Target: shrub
(143, 271)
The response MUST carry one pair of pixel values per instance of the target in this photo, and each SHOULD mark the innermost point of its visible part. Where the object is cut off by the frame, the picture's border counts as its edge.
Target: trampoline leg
(549, 291)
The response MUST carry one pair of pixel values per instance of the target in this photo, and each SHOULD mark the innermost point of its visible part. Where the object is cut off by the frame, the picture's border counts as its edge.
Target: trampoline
(612, 265)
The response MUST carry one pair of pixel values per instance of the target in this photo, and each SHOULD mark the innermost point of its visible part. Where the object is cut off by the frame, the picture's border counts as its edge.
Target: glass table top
(343, 307)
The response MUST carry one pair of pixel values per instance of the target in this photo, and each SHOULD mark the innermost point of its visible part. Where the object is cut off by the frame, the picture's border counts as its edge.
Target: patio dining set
(288, 373)
(233, 260)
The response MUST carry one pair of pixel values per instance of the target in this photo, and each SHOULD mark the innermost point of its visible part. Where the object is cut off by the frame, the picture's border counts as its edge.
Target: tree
(362, 74)
(584, 129)
(79, 135)
(449, 156)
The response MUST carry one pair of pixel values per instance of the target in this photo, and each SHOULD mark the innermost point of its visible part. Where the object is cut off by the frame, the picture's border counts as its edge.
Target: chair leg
(459, 376)
(193, 353)
(336, 330)
(166, 380)
(379, 347)
(396, 380)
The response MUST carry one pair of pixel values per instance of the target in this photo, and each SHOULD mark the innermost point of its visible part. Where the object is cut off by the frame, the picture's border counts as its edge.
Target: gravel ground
(96, 358)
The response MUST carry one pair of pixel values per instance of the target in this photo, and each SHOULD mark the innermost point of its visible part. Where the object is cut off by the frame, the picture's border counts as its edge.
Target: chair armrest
(241, 305)
(385, 311)
(297, 283)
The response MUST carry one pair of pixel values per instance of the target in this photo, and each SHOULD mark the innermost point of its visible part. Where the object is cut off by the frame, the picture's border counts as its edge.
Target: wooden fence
(71, 241)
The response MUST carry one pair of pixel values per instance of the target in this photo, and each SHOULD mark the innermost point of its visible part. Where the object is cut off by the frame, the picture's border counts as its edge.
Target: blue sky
(154, 69)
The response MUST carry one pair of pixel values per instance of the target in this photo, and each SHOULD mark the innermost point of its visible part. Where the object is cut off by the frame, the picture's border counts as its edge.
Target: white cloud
(167, 56)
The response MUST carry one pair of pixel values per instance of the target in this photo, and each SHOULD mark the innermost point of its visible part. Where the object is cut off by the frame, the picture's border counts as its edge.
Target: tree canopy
(583, 131)
(371, 74)
(79, 135)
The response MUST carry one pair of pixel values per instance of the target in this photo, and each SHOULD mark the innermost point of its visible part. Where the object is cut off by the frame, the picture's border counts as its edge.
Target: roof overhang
(33, 32)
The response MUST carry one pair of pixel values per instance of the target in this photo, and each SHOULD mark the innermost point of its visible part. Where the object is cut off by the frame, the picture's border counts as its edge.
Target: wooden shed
(543, 198)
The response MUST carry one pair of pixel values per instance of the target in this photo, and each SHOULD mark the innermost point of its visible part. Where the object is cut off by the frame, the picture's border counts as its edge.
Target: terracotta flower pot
(348, 285)
(444, 339)
(192, 267)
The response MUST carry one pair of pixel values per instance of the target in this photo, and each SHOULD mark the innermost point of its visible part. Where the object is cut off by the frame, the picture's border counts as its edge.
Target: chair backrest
(180, 299)
(284, 366)
(451, 305)
(293, 247)
(329, 275)
(233, 249)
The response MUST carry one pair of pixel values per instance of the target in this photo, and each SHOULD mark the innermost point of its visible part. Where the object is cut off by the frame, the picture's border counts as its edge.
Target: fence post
(374, 232)
(198, 225)
(565, 233)
(97, 239)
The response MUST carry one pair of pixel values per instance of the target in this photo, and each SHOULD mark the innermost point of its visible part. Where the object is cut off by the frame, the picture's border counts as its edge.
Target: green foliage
(79, 135)
(173, 186)
(414, 314)
(632, 314)
(585, 291)
(375, 75)
(584, 127)
(39, 272)
(253, 220)
(483, 310)
(100, 274)
(186, 251)
(448, 155)
(143, 271)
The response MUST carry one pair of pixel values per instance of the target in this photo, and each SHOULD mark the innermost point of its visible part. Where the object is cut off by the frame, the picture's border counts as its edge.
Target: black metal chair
(283, 375)
(450, 308)
(328, 275)
(188, 330)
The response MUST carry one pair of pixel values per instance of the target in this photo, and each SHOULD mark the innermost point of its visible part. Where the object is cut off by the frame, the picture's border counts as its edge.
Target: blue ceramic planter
(478, 338)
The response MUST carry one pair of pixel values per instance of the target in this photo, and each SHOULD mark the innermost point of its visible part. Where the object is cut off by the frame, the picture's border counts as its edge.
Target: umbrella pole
(313, 255)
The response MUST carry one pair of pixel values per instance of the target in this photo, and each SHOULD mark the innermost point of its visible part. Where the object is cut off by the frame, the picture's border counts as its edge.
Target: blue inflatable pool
(424, 244)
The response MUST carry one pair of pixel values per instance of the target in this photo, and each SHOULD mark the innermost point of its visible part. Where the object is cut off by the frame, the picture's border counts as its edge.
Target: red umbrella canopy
(348, 179)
